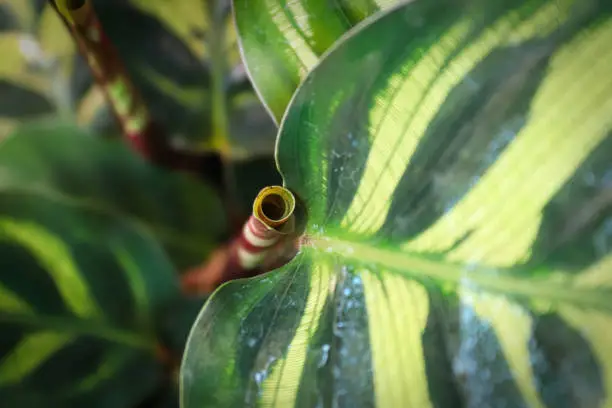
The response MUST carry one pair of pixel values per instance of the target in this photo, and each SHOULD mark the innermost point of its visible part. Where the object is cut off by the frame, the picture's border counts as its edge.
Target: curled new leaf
(453, 159)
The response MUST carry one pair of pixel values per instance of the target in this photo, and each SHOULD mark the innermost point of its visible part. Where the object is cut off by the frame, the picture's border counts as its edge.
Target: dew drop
(324, 355)
(259, 376)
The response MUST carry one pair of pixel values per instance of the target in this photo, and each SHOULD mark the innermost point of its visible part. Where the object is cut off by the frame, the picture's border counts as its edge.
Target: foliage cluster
(452, 165)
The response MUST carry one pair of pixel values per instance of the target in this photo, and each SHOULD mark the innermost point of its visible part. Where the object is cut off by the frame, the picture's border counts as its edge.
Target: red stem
(142, 133)
(255, 250)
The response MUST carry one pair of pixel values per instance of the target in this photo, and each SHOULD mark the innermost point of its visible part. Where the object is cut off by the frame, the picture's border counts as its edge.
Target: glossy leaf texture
(282, 40)
(453, 159)
(80, 293)
(59, 160)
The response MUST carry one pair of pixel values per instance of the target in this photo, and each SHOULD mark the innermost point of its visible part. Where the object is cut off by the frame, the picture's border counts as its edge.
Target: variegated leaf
(201, 105)
(282, 40)
(453, 160)
(198, 90)
(61, 160)
(80, 293)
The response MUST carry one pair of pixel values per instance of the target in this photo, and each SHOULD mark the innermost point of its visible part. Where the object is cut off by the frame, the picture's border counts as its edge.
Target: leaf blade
(282, 41)
(389, 138)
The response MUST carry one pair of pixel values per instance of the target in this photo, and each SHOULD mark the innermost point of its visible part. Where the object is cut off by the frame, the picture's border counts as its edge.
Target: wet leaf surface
(453, 160)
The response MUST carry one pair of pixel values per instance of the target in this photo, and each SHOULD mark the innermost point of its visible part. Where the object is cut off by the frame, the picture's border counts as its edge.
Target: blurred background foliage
(168, 48)
(92, 237)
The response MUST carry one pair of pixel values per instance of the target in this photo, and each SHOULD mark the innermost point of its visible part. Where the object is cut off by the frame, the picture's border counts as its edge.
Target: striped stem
(264, 240)
(272, 219)
(108, 70)
(137, 125)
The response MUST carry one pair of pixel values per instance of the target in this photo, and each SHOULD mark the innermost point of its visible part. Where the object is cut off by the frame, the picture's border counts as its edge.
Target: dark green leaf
(191, 90)
(175, 87)
(21, 103)
(36, 64)
(8, 20)
(202, 105)
(80, 292)
(54, 159)
(453, 159)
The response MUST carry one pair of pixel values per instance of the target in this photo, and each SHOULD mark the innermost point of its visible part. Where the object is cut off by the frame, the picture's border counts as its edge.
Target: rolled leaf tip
(272, 219)
(266, 240)
(274, 207)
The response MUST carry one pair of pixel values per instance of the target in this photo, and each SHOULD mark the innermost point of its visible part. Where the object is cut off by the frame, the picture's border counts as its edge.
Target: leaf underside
(453, 159)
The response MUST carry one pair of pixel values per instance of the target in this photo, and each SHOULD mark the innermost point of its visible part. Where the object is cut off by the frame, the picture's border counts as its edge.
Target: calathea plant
(452, 164)
(93, 237)
(445, 204)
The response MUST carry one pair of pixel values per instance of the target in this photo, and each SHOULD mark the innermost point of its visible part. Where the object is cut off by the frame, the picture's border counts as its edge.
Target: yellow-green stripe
(55, 256)
(29, 354)
(281, 387)
(10, 302)
(397, 316)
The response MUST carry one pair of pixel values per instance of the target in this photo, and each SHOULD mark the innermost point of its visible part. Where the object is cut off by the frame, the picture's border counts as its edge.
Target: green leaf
(282, 40)
(62, 160)
(39, 66)
(198, 89)
(453, 159)
(201, 104)
(29, 104)
(8, 20)
(80, 291)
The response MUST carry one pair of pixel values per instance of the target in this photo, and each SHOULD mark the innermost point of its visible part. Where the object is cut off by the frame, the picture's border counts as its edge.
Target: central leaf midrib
(492, 279)
(94, 328)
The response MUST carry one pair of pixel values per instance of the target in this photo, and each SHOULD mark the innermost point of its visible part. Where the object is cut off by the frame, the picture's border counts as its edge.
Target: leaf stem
(138, 127)
(266, 241)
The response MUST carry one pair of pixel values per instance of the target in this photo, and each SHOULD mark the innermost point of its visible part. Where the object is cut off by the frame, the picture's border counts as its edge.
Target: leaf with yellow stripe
(64, 161)
(282, 40)
(25, 89)
(42, 73)
(198, 91)
(453, 162)
(81, 293)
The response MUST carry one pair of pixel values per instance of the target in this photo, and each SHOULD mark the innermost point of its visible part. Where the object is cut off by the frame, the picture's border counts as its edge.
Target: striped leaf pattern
(42, 73)
(80, 292)
(198, 91)
(35, 64)
(282, 40)
(453, 159)
(60, 160)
